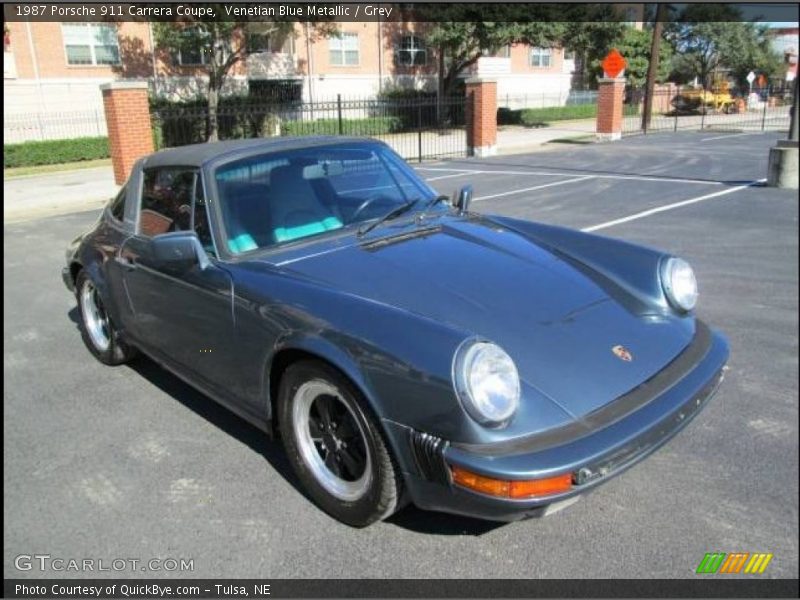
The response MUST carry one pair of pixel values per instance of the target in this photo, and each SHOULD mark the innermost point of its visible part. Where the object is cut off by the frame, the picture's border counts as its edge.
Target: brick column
(611, 95)
(130, 134)
(481, 116)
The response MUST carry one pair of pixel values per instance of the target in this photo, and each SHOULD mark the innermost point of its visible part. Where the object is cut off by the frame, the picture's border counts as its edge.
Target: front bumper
(603, 445)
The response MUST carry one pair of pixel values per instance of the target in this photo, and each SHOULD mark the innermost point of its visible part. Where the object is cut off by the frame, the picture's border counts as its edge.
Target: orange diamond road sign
(613, 64)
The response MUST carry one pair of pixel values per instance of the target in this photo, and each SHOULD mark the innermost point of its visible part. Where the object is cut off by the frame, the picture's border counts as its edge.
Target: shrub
(368, 126)
(53, 152)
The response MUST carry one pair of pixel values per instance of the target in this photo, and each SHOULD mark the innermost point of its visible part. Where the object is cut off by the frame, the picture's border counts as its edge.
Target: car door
(184, 317)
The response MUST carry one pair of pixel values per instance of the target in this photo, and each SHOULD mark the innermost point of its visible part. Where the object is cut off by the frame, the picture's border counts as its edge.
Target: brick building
(59, 66)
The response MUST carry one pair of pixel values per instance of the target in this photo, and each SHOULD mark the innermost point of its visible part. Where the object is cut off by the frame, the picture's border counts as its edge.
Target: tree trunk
(213, 103)
(440, 116)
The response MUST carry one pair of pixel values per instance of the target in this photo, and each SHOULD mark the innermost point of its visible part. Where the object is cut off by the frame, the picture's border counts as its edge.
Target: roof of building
(197, 155)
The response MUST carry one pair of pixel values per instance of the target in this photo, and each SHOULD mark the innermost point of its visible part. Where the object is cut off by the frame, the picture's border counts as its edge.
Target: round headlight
(487, 382)
(679, 283)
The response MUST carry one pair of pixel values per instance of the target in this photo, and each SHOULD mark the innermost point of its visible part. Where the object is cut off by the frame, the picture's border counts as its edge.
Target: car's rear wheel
(334, 445)
(97, 329)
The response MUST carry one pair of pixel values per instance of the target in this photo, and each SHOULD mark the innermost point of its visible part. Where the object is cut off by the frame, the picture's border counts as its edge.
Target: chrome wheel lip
(306, 394)
(94, 317)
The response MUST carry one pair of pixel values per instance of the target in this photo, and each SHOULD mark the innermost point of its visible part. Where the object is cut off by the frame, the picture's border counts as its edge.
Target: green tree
(634, 45)
(463, 33)
(709, 39)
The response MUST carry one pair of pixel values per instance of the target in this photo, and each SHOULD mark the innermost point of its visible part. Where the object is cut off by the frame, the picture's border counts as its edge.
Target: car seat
(295, 209)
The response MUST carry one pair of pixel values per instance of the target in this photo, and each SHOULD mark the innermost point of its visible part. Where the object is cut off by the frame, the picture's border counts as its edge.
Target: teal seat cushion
(286, 234)
(242, 243)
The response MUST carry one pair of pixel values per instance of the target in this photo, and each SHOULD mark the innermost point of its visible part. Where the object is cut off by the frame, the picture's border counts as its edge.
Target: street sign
(751, 77)
(613, 64)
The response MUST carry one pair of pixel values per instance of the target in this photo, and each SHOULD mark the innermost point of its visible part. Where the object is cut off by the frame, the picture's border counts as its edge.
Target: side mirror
(464, 199)
(178, 251)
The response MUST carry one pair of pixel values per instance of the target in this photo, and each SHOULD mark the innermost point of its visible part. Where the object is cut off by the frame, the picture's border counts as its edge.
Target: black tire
(384, 488)
(117, 351)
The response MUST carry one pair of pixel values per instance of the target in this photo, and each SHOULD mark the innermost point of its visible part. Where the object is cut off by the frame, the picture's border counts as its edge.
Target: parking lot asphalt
(130, 462)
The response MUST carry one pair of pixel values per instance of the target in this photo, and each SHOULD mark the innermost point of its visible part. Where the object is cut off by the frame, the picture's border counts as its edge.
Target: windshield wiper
(434, 202)
(395, 212)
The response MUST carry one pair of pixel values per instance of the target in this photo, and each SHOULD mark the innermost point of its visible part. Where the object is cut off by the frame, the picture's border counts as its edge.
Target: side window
(201, 226)
(117, 205)
(166, 203)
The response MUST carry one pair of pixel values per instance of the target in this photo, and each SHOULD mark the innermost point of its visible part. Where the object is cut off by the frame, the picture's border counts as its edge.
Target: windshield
(286, 196)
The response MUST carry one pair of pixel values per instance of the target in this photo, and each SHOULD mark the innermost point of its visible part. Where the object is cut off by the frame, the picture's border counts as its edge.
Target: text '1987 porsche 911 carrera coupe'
(404, 348)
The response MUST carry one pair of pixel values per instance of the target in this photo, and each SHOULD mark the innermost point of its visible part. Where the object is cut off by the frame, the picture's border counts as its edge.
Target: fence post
(130, 134)
(764, 112)
(419, 129)
(676, 120)
(339, 108)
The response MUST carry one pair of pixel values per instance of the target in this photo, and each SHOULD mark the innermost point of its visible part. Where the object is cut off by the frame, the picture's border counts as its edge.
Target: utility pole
(793, 125)
(652, 65)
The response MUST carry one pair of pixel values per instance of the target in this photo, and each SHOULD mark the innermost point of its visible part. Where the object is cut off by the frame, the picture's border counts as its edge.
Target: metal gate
(417, 128)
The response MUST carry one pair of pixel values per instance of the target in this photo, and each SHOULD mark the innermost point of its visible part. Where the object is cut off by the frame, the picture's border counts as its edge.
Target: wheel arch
(324, 351)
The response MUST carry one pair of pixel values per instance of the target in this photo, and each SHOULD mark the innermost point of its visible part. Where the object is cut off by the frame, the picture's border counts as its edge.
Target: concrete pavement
(57, 193)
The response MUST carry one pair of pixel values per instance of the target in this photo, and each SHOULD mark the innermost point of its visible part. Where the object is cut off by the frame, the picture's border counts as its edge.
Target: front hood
(558, 324)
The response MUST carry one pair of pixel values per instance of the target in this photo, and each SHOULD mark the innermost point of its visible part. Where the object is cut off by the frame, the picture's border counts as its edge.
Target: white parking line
(666, 207)
(665, 179)
(452, 175)
(536, 187)
(730, 135)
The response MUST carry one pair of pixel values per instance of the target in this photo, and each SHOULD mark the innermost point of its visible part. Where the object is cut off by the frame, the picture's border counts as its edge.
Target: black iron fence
(690, 109)
(417, 128)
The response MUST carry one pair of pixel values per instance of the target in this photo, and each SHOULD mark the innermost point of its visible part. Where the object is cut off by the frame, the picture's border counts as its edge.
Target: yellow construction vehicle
(717, 99)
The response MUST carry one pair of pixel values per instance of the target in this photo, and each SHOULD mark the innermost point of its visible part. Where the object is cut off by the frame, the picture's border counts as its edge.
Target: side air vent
(429, 455)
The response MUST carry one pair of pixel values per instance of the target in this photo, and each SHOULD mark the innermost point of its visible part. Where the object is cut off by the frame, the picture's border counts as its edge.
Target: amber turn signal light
(529, 488)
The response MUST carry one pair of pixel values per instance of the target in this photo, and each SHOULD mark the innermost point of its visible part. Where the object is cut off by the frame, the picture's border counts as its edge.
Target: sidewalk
(50, 194)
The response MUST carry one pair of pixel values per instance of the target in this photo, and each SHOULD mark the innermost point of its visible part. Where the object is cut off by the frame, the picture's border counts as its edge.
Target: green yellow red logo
(733, 563)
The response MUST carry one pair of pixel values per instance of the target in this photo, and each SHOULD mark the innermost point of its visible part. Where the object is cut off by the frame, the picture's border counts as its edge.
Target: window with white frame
(541, 57)
(344, 49)
(412, 51)
(90, 43)
(195, 53)
(270, 42)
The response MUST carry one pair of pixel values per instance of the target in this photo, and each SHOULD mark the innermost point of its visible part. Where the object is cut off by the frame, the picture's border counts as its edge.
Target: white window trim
(422, 47)
(540, 52)
(91, 44)
(341, 35)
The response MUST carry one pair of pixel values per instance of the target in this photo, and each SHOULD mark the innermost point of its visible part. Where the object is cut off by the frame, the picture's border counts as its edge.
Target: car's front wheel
(97, 329)
(334, 446)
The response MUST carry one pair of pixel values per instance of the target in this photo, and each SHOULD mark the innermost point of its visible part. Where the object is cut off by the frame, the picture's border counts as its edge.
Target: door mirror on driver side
(178, 251)
(464, 199)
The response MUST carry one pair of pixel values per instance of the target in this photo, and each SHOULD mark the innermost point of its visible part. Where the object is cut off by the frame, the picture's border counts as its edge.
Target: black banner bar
(355, 12)
(704, 586)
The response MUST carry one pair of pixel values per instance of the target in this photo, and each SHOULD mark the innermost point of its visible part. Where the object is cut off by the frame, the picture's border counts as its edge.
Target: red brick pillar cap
(611, 80)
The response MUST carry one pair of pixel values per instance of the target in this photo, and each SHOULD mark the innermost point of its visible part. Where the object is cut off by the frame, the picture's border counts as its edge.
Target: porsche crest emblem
(622, 353)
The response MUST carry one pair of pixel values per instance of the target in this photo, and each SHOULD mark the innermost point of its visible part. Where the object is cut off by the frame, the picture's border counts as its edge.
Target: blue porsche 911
(404, 348)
